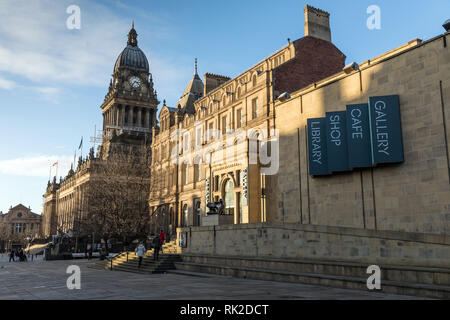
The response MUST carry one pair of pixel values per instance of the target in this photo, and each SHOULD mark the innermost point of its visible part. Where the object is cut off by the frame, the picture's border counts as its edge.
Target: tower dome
(132, 57)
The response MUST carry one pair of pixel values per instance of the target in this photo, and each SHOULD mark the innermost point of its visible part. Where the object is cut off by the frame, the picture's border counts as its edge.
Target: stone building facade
(18, 224)
(412, 196)
(121, 165)
(207, 147)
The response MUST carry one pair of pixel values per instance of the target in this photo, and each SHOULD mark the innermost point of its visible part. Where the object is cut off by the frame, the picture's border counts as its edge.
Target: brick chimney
(317, 23)
(213, 81)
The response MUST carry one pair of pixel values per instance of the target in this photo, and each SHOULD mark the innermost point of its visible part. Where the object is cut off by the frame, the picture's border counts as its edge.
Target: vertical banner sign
(317, 147)
(386, 131)
(337, 152)
(358, 136)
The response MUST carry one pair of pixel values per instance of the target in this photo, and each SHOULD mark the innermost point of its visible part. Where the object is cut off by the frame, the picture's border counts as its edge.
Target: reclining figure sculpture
(215, 207)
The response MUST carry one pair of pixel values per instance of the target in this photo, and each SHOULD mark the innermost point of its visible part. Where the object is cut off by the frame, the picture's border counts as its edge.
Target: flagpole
(50, 173)
(95, 134)
(57, 165)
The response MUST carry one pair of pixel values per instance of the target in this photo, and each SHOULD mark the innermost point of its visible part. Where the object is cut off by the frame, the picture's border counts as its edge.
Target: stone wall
(296, 241)
(413, 196)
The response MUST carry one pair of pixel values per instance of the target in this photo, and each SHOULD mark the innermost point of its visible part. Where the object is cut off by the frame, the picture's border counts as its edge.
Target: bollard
(111, 263)
(127, 256)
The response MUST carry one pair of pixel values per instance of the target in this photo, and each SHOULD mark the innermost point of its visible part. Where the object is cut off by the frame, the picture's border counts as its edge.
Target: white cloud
(7, 84)
(36, 166)
(35, 43)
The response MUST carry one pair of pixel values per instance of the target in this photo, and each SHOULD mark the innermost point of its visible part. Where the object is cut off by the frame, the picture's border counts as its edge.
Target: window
(198, 211)
(238, 177)
(224, 125)
(216, 183)
(186, 174)
(186, 215)
(186, 141)
(210, 130)
(238, 118)
(229, 197)
(254, 108)
(239, 93)
(198, 137)
(196, 172)
(254, 81)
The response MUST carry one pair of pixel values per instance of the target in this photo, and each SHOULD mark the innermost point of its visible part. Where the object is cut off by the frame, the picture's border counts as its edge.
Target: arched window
(186, 174)
(198, 212)
(228, 193)
(185, 215)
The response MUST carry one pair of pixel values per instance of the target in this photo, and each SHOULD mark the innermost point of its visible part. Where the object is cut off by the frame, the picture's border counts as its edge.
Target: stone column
(139, 117)
(130, 116)
(122, 115)
(147, 118)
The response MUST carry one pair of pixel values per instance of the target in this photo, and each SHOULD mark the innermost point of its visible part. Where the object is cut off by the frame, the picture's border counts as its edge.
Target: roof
(19, 206)
(22, 207)
(193, 92)
(132, 57)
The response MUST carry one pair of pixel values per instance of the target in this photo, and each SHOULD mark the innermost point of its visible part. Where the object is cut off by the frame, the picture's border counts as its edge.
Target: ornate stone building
(18, 224)
(207, 147)
(121, 165)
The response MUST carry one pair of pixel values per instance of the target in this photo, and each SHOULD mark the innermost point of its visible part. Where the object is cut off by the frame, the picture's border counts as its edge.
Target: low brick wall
(296, 241)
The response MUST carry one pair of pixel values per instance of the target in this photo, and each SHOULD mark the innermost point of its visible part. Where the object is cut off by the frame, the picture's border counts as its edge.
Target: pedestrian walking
(156, 246)
(89, 251)
(162, 236)
(11, 255)
(140, 249)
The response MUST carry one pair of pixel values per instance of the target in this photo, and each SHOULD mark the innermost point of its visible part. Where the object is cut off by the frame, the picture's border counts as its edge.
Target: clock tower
(130, 106)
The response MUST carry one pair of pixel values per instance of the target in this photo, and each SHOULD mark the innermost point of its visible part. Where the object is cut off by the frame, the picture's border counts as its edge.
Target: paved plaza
(47, 280)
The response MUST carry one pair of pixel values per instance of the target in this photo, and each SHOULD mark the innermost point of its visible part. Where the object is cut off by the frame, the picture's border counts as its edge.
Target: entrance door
(229, 197)
(197, 212)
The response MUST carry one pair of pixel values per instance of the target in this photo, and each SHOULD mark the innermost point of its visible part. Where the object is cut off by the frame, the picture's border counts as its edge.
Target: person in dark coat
(11, 255)
(157, 246)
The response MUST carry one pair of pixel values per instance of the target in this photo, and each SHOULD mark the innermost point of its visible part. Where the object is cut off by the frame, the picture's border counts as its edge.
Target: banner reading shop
(317, 147)
(386, 131)
(337, 153)
(358, 136)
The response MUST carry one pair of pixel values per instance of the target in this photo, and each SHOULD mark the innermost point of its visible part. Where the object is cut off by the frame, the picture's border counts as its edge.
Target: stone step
(149, 265)
(408, 274)
(338, 281)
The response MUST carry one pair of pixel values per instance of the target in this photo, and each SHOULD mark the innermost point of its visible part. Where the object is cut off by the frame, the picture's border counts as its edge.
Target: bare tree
(117, 195)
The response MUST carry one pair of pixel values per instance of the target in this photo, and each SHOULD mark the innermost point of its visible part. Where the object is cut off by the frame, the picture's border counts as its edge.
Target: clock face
(135, 82)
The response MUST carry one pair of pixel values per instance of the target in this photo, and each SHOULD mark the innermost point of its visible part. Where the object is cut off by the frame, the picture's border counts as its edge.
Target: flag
(55, 164)
(81, 143)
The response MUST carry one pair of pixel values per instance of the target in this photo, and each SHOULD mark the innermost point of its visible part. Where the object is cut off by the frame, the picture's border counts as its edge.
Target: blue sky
(53, 80)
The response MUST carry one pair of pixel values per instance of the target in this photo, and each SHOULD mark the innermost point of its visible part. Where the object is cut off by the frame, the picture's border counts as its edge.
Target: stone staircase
(404, 280)
(129, 262)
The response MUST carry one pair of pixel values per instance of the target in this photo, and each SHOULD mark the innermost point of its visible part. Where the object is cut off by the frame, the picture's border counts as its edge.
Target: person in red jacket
(162, 236)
